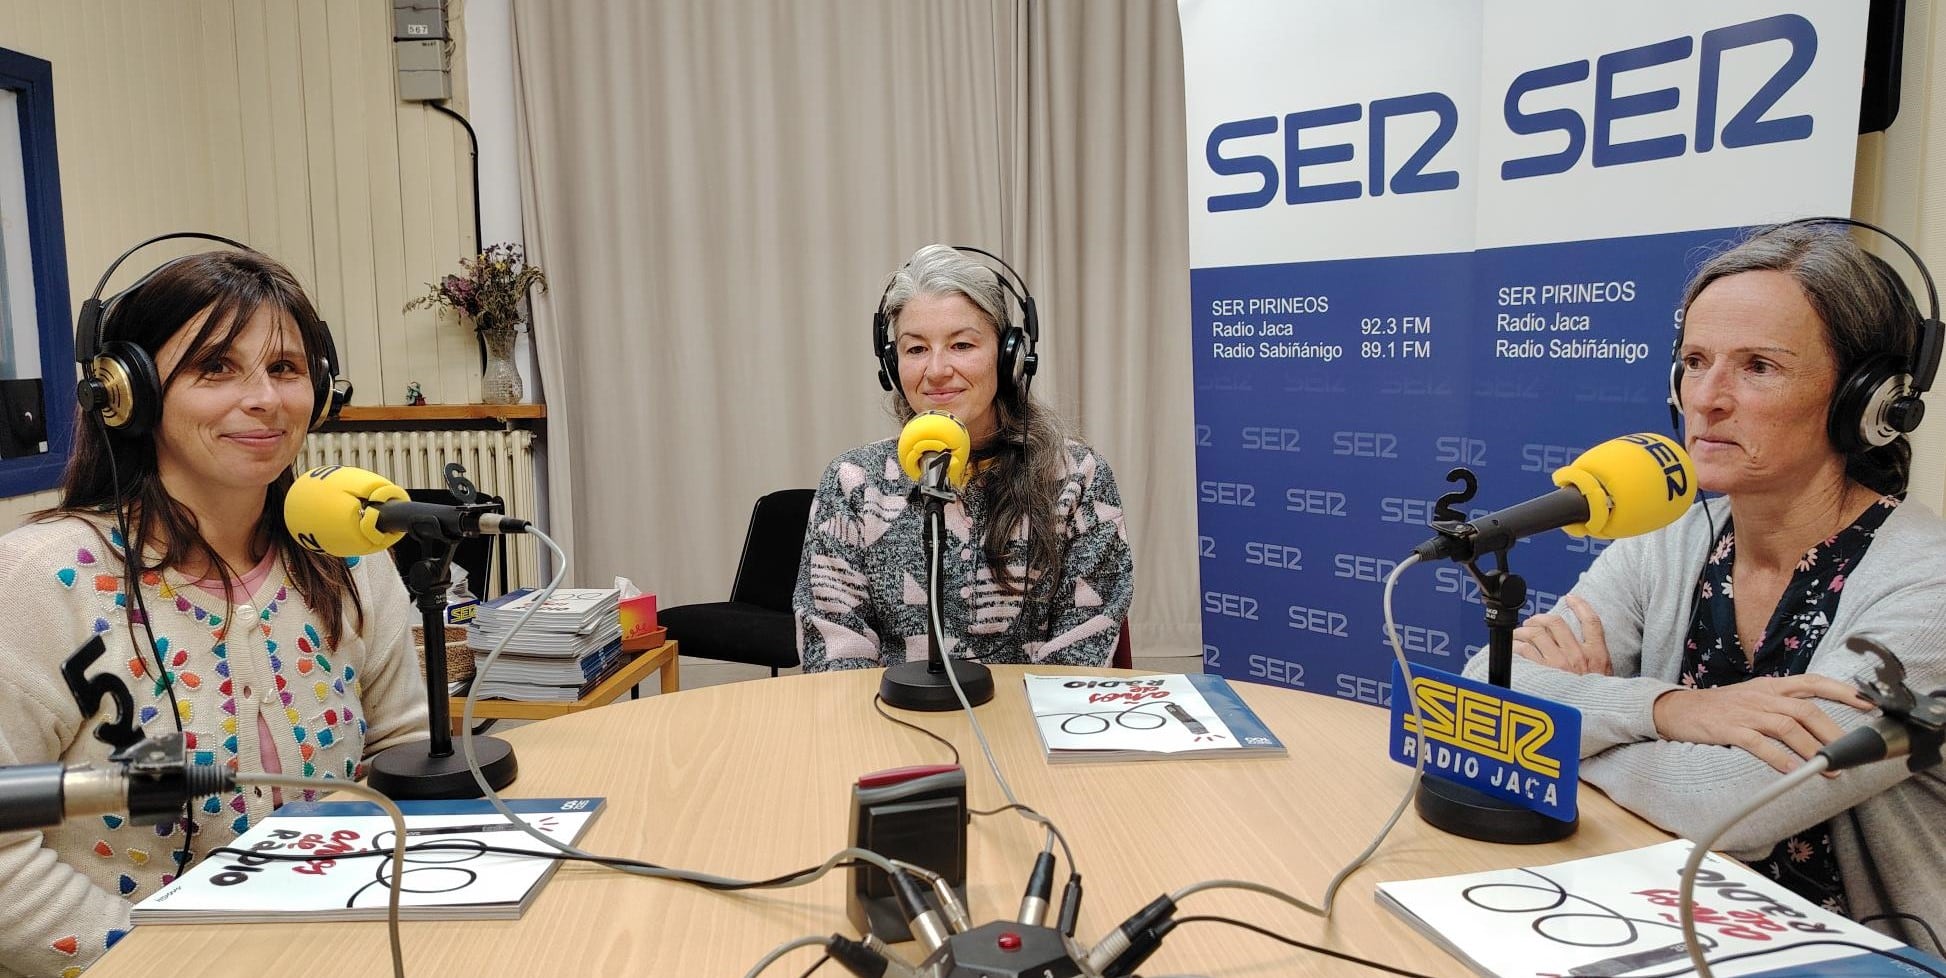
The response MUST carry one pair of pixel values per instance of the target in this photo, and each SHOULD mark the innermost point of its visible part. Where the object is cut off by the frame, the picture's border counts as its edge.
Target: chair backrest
(1124, 656)
(767, 571)
(474, 555)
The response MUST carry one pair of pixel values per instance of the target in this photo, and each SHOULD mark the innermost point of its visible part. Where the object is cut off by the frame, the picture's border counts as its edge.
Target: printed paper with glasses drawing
(1615, 915)
(448, 875)
(1107, 718)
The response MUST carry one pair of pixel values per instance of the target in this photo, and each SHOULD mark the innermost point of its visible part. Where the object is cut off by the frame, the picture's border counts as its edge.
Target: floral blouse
(1714, 656)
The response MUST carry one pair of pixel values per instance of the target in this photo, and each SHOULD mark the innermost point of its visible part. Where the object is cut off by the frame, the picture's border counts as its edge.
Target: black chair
(756, 625)
(474, 555)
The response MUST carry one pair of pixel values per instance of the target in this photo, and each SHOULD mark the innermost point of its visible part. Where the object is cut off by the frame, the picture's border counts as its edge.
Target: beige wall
(1898, 185)
(275, 122)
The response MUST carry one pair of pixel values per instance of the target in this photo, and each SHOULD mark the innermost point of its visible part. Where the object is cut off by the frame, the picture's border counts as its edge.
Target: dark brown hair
(233, 286)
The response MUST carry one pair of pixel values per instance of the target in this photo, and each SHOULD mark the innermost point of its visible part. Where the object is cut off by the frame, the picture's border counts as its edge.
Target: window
(36, 329)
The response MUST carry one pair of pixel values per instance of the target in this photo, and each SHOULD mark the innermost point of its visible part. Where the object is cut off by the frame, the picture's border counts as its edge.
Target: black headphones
(119, 380)
(1879, 400)
(1018, 361)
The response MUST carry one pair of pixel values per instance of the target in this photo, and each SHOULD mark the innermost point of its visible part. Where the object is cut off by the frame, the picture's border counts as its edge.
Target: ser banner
(1431, 233)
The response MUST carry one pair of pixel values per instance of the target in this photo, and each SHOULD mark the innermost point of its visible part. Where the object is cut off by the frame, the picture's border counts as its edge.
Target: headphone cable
(135, 608)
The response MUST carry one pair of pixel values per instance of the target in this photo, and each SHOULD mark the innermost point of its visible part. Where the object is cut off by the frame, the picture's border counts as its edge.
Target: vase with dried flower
(492, 291)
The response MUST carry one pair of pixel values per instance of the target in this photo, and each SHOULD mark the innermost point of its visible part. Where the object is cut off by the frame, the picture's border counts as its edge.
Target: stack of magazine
(570, 645)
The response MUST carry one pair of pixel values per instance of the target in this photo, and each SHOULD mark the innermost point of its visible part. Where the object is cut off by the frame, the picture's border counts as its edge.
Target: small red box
(638, 616)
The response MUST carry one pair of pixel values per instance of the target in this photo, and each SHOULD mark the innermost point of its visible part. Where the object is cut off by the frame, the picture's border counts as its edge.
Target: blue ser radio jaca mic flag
(929, 435)
(1622, 487)
(350, 512)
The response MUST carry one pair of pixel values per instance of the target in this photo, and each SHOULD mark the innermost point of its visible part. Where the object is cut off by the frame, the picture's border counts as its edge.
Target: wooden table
(661, 659)
(753, 779)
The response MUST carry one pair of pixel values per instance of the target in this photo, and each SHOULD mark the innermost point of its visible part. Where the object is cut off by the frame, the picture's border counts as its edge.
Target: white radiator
(500, 463)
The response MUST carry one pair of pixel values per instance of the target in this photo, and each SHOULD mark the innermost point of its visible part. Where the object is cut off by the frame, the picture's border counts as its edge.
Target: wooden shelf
(443, 412)
(660, 660)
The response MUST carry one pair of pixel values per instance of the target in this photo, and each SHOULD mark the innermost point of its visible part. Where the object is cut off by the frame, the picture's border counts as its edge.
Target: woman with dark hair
(1036, 567)
(320, 672)
(1710, 656)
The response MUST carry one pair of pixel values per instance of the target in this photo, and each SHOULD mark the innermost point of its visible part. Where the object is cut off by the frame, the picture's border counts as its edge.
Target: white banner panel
(1428, 233)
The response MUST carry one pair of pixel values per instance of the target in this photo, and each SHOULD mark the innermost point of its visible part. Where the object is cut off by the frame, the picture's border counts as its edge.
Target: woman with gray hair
(1710, 657)
(1036, 567)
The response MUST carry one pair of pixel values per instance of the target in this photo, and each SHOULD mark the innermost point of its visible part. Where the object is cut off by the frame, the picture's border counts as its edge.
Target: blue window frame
(36, 327)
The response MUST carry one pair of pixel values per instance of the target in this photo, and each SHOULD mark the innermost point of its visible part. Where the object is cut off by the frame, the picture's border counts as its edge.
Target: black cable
(479, 245)
(1726, 959)
(136, 606)
(815, 965)
(1294, 942)
(449, 845)
(878, 703)
(1931, 934)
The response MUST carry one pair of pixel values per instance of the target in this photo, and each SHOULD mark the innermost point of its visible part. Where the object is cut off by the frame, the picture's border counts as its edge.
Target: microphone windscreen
(1634, 484)
(331, 510)
(935, 431)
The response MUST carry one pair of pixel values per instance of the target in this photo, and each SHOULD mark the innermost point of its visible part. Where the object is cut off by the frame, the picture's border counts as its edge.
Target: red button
(1009, 941)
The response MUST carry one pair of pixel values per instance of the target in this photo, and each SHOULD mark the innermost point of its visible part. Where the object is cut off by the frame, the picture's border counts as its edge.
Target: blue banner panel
(1324, 436)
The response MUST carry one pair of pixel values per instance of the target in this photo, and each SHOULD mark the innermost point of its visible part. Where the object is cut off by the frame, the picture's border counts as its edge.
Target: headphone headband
(1923, 361)
(1878, 399)
(119, 381)
(1018, 359)
(1021, 296)
(87, 331)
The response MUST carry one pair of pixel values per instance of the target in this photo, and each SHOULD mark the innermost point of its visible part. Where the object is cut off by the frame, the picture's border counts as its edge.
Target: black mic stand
(430, 768)
(1457, 808)
(925, 685)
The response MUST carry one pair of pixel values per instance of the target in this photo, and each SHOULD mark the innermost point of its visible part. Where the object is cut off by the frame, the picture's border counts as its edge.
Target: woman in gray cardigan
(1710, 656)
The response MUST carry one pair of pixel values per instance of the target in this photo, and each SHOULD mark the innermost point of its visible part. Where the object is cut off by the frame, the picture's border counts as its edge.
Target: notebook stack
(566, 649)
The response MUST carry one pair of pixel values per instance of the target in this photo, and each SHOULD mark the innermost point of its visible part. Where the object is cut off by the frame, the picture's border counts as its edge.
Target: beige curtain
(718, 189)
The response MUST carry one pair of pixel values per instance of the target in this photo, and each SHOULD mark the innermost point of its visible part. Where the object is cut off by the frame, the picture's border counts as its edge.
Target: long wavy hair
(233, 286)
(1866, 310)
(1027, 462)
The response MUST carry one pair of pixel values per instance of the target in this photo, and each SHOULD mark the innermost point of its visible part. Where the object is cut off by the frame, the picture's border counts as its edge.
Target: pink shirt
(252, 580)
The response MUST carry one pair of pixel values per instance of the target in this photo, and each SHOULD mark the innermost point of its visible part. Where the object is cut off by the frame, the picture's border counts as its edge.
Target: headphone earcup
(1858, 408)
(887, 354)
(328, 399)
(1010, 363)
(1675, 399)
(131, 388)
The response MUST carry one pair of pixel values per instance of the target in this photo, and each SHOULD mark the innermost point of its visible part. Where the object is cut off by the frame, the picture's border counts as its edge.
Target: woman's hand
(1548, 640)
(1772, 717)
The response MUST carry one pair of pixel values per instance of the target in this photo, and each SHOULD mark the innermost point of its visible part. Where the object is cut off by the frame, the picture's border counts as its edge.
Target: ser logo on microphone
(1675, 470)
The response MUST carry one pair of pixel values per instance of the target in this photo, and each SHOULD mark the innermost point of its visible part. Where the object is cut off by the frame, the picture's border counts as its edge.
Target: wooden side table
(661, 659)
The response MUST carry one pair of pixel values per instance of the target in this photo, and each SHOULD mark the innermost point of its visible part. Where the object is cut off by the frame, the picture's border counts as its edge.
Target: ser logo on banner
(1747, 124)
(1521, 748)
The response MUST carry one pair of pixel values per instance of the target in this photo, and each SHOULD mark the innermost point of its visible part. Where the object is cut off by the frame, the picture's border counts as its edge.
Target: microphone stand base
(1464, 811)
(411, 771)
(914, 686)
